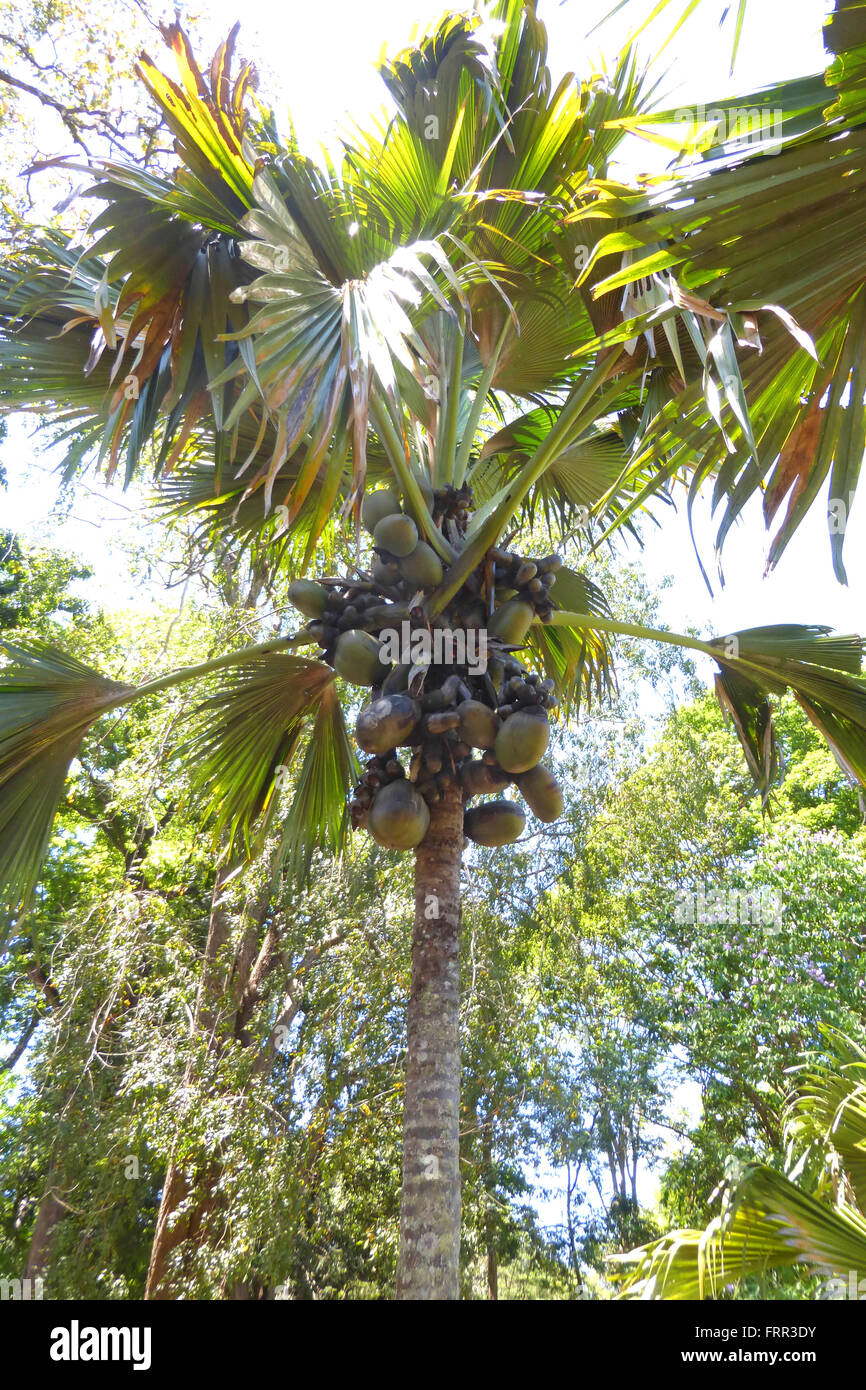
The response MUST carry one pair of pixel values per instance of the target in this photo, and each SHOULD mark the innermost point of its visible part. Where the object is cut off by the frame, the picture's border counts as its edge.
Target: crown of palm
(264, 332)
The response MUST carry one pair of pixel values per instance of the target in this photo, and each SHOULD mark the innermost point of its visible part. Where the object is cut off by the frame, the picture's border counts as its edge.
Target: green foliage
(769, 1221)
(177, 1012)
(34, 586)
(586, 1004)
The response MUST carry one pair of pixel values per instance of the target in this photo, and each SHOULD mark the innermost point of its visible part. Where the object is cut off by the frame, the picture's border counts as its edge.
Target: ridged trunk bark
(429, 1264)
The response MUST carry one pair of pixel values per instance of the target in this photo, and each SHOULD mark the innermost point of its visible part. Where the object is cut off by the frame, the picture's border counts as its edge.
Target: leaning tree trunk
(51, 1209)
(230, 992)
(429, 1265)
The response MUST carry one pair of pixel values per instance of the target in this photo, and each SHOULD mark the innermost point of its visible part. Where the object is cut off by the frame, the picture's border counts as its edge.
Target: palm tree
(769, 1221)
(398, 340)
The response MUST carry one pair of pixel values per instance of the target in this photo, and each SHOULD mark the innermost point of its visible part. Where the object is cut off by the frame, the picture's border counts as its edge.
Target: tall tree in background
(421, 340)
(66, 81)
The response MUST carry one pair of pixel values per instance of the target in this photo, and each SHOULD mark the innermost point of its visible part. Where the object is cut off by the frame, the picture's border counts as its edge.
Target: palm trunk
(429, 1265)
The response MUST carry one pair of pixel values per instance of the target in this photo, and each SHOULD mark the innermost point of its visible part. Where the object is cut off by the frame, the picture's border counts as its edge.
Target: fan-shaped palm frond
(821, 668)
(164, 286)
(579, 662)
(248, 734)
(154, 287)
(318, 815)
(49, 701)
(769, 1223)
(817, 665)
(318, 348)
(571, 487)
(207, 116)
(829, 1111)
(793, 415)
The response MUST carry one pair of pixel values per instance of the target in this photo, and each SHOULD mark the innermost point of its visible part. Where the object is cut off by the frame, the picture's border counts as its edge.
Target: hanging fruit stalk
(426, 722)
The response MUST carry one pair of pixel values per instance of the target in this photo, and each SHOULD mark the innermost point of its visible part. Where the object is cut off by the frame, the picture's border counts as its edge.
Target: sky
(288, 43)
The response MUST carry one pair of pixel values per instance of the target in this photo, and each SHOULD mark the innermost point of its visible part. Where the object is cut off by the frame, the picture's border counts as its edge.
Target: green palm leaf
(790, 419)
(318, 815)
(818, 667)
(154, 290)
(574, 483)
(48, 701)
(247, 736)
(320, 348)
(829, 1109)
(769, 1224)
(578, 660)
(767, 1221)
(815, 664)
(207, 118)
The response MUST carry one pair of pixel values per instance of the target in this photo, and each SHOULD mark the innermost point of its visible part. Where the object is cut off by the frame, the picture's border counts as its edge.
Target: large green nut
(494, 823)
(398, 817)
(385, 724)
(397, 534)
(512, 621)
(386, 576)
(356, 658)
(377, 505)
(480, 779)
(522, 740)
(550, 564)
(478, 724)
(422, 567)
(542, 793)
(384, 615)
(308, 597)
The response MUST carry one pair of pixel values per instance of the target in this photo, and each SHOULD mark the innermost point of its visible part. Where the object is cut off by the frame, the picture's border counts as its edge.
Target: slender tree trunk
(170, 1230)
(230, 991)
(429, 1265)
(489, 1217)
(51, 1209)
(569, 1217)
(188, 1231)
(492, 1271)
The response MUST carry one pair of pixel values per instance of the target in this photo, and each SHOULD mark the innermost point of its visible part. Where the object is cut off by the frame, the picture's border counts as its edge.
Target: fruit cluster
(480, 732)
